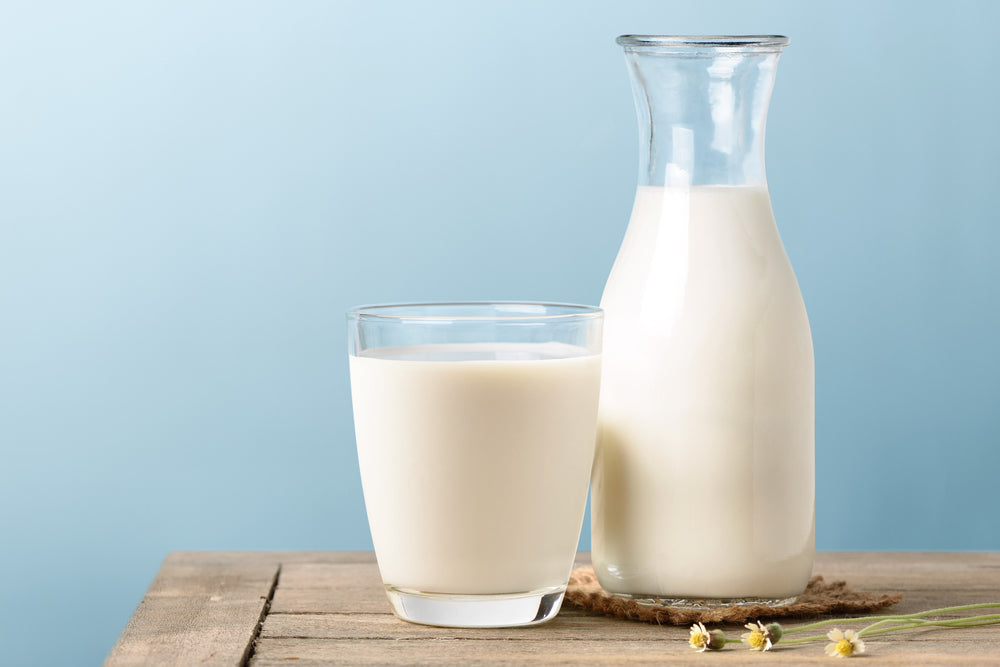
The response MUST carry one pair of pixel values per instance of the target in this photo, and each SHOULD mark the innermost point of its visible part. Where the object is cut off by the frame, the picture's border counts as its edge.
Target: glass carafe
(703, 485)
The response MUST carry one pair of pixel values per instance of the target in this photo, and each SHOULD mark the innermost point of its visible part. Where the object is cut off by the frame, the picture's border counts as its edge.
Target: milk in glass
(475, 460)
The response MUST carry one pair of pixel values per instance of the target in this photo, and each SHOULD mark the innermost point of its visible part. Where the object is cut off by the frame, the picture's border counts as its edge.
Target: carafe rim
(694, 42)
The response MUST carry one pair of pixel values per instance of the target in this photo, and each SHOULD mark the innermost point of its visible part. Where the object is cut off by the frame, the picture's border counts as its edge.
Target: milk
(703, 480)
(475, 461)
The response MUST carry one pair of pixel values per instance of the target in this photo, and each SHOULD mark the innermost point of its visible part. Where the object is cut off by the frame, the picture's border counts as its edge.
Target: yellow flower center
(756, 639)
(699, 640)
(845, 647)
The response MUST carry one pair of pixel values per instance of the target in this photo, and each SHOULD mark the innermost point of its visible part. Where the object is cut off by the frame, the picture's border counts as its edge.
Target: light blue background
(192, 193)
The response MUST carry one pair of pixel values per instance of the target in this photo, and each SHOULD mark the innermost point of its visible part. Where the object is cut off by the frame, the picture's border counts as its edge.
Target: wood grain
(201, 609)
(671, 649)
(330, 609)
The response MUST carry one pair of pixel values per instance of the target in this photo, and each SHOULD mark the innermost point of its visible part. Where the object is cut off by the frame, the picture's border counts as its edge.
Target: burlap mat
(819, 598)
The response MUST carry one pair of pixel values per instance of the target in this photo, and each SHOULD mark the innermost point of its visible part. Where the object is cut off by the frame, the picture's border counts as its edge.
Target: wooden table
(231, 608)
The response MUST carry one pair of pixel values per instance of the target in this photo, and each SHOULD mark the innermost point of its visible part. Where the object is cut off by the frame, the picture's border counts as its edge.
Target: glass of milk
(476, 426)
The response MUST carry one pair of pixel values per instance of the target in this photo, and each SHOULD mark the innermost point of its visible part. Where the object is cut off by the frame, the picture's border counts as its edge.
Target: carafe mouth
(688, 43)
(701, 102)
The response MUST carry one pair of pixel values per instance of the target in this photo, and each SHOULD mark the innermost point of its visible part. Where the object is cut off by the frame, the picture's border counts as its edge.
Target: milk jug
(703, 483)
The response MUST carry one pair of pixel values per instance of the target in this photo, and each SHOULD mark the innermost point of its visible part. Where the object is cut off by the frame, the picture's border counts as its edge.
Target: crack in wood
(252, 644)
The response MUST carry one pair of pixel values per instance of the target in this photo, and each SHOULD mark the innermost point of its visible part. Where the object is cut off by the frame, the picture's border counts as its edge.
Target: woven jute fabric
(819, 598)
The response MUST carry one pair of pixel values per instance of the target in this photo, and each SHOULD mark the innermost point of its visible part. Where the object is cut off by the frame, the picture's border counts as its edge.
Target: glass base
(476, 611)
(707, 603)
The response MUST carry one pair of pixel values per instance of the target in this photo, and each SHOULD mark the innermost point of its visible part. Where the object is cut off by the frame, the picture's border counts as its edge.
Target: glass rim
(388, 312)
(752, 42)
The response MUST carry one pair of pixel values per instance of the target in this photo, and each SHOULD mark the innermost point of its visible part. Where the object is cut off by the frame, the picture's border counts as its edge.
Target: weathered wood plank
(284, 557)
(373, 601)
(330, 601)
(569, 624)
(361, 576)
(905, 571)
(325, 586)
(919, 560)
(566, 625)
(673, 650)
(927, 561)
(921, 571)
(200, 609)
(334, 588)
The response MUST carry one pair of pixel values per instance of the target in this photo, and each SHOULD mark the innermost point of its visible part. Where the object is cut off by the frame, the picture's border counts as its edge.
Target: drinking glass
(476, 426)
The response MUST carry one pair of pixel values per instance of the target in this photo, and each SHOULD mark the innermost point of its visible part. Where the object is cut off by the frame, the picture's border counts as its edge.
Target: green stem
(964, 607)
(900, 617)
(906, 624)
(841, 621)
(802, 640)
(869, 629)
(968, 621)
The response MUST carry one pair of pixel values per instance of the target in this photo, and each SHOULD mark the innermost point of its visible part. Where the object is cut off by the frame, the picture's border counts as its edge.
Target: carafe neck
(702, 106)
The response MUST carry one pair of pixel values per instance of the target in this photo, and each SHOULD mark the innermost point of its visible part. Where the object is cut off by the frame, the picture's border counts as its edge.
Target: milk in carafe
(703, 482)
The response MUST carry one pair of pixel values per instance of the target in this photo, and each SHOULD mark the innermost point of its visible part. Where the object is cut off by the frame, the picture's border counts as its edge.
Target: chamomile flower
(699, 637)
(759, 637)
(844, 644)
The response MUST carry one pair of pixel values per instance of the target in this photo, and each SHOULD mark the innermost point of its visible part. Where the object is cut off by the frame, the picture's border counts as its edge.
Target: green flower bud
(717, 640)
(775, 631)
